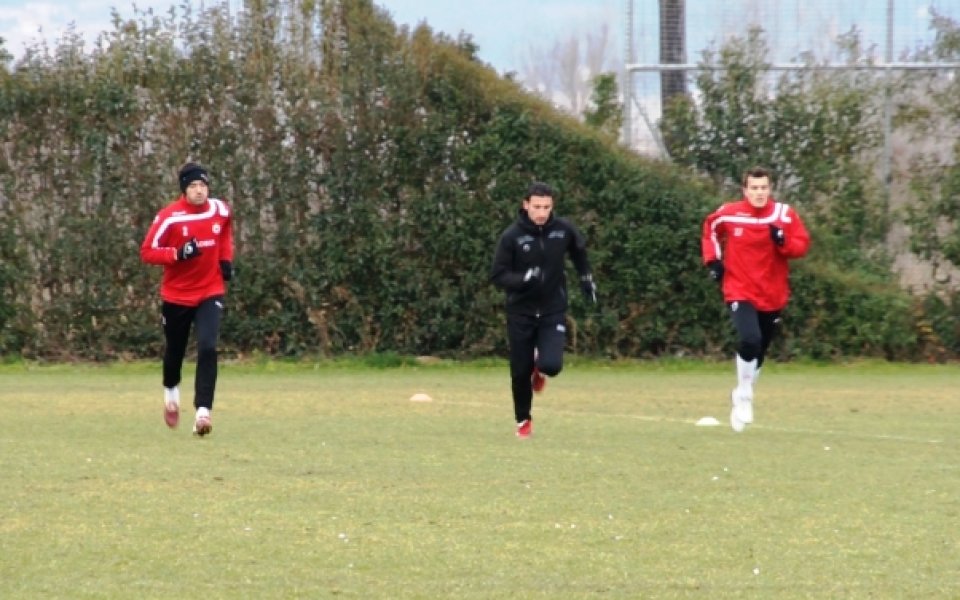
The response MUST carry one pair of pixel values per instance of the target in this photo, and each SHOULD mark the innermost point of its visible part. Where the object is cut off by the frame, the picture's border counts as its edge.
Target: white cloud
(25, 24)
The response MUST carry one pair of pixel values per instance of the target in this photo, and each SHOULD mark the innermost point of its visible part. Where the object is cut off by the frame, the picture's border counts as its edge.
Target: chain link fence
(666, 39)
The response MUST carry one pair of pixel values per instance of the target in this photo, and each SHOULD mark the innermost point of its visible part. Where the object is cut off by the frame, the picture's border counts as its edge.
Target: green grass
(324, 481)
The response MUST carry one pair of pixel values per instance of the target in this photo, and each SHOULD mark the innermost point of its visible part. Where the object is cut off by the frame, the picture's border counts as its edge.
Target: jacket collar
(524, 220)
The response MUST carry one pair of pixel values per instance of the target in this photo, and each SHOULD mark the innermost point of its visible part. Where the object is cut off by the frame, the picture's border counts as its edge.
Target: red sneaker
(537, 380)
(171, 414)
(525, 429)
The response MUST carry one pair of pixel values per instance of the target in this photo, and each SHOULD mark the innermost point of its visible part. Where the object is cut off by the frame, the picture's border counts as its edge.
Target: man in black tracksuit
(529, 266)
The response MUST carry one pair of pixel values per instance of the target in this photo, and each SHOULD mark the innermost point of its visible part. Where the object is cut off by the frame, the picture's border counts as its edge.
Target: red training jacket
(191, 281)
(755, 269)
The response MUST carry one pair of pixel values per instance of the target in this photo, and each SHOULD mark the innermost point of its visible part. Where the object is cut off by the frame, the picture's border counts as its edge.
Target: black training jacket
(524, 245)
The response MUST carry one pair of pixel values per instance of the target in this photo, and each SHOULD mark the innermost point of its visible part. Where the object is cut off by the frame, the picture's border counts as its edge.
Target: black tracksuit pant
(548, 335)
(755, 330)
(177, 320)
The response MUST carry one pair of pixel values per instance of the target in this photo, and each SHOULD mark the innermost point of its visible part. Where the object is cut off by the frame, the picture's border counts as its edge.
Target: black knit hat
(191, 172)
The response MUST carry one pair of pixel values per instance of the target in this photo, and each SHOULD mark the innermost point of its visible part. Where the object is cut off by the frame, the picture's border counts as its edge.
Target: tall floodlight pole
(628, 77)
(672, 49)
(888, 104)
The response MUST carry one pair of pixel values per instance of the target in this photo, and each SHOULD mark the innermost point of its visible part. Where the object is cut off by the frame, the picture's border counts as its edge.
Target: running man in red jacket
(192, 238)
(746, 245)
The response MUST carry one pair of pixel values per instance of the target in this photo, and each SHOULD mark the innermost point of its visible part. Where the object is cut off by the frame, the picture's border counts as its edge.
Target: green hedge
(371, 171)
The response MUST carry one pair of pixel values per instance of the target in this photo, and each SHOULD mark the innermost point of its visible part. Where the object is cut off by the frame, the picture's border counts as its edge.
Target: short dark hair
(539, 188)
(757, 173)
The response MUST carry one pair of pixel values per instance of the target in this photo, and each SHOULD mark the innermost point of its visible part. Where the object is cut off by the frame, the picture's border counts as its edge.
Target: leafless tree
(563, 71)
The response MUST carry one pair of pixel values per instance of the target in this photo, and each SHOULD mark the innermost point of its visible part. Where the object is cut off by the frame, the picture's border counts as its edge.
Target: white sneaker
(202, 424)
(743, 394)
(735, 421)
(745, 405)
(741, 411)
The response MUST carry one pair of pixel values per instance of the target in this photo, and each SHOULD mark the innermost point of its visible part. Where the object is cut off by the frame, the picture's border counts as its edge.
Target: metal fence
(666, 39)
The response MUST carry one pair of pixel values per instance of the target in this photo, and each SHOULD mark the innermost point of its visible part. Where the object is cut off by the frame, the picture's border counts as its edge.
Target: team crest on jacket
(216, 227)
(524, 241)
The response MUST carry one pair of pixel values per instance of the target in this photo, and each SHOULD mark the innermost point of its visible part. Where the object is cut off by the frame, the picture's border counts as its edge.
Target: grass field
(323, 481)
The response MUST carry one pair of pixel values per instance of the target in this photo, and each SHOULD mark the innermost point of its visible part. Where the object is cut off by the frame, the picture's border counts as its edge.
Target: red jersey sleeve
(711, 238)
(797, 238)
(226, 239)
(154, 249)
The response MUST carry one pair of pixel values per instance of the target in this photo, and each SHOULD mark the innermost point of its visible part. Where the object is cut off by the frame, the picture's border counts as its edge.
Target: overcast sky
(505, 30)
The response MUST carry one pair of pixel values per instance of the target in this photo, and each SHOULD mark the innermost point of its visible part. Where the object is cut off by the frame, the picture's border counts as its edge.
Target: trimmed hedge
(371, 171)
